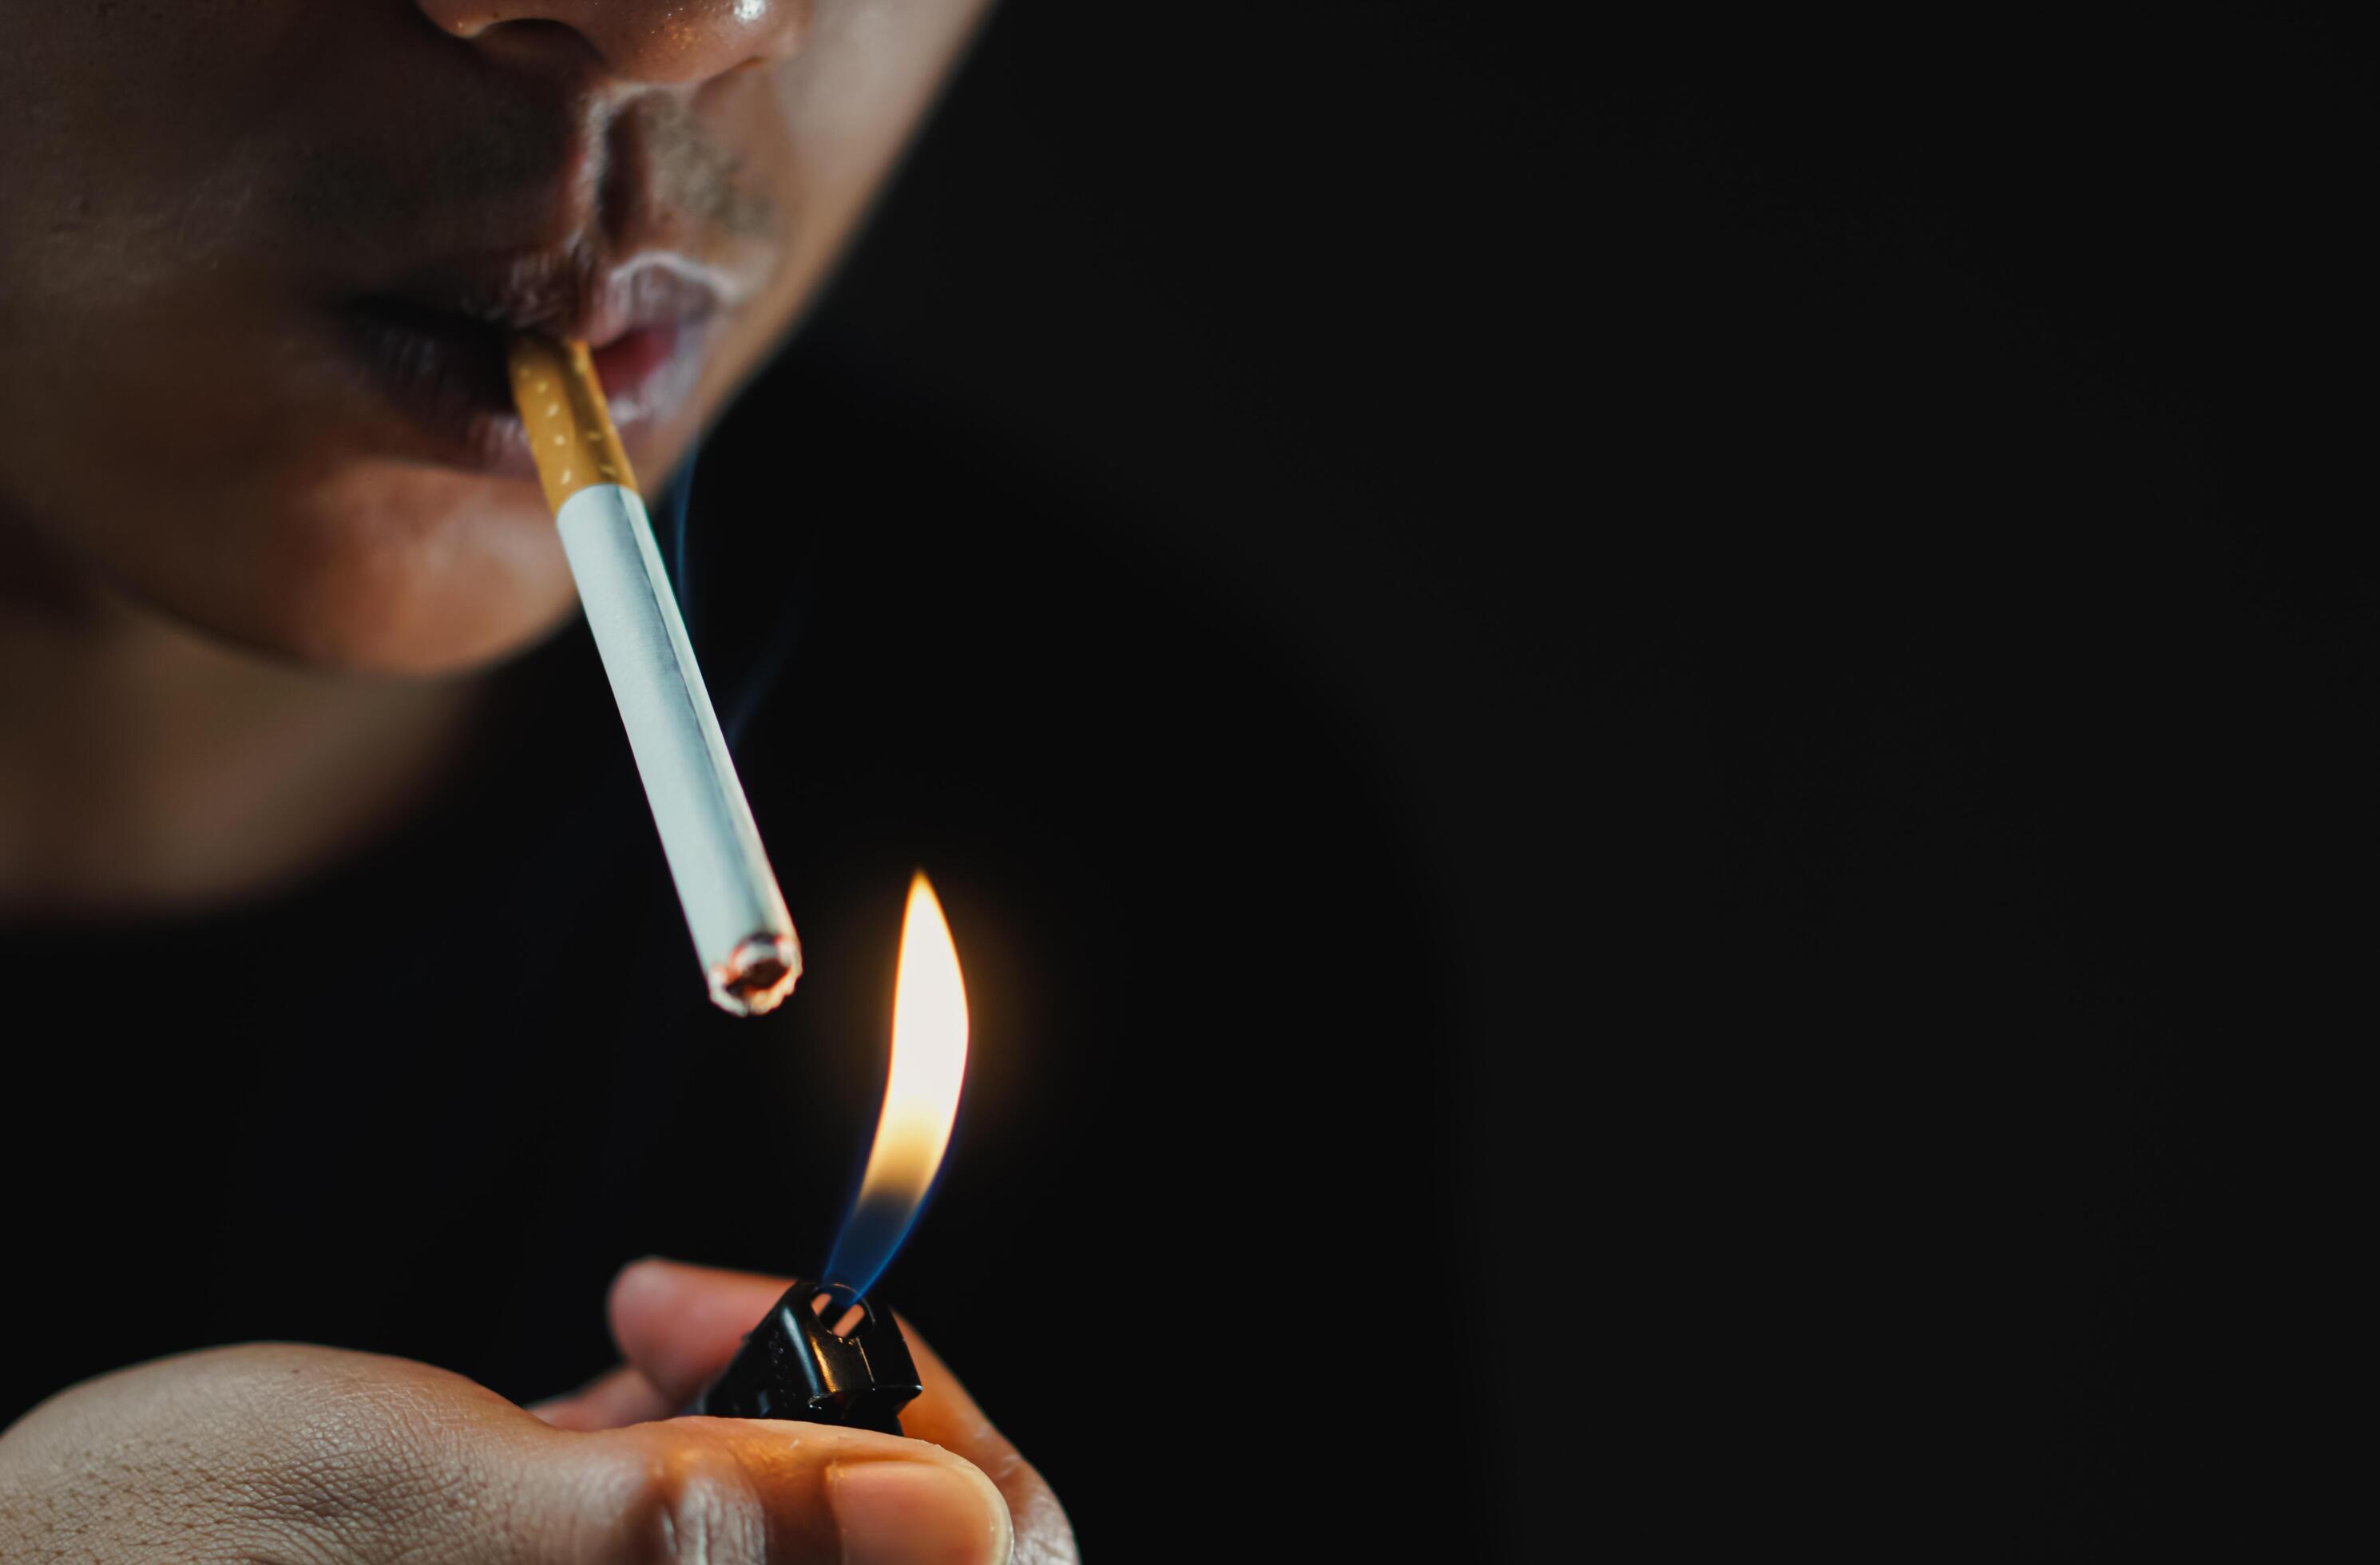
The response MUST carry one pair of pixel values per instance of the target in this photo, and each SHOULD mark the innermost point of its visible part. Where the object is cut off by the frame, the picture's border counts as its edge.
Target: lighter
(823, 1353)
(797, 1365)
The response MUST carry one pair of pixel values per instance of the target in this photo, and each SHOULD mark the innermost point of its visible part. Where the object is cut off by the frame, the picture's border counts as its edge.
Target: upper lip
(567, 294)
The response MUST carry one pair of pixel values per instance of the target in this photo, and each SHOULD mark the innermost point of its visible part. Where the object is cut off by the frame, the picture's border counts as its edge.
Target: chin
(447, 628)
(386, 570)
(443, 574)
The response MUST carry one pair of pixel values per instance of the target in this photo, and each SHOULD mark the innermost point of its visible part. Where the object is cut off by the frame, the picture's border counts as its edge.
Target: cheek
(261, 520)
(406, 569)
(171, 415)
(158, 447)
(174, 422)
(381, 567)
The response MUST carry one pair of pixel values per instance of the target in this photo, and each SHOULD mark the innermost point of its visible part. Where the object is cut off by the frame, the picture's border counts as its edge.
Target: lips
(434, 343)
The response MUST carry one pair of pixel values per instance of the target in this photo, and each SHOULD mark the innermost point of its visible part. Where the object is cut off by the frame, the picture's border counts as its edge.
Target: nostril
(644, 42)
(524, 38)
(464, 22)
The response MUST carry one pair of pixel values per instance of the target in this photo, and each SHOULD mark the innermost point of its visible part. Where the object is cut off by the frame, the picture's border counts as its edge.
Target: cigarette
(742, 933)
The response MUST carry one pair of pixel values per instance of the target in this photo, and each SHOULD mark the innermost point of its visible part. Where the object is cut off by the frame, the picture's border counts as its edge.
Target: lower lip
(448, 382)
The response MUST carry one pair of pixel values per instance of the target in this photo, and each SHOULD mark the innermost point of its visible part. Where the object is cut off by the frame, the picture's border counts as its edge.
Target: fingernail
(912, 1512)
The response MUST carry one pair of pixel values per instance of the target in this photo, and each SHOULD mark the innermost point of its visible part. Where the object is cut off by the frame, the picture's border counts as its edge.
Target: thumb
(677, 1326)
(281, 1451)
(750, 1492)
(732, 1491)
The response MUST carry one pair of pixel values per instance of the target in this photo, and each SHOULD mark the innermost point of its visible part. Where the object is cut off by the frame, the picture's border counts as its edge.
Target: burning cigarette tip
(758, 975)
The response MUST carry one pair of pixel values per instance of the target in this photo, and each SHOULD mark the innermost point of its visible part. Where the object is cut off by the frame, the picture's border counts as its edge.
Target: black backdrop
(1833, 549)
(1649, 758)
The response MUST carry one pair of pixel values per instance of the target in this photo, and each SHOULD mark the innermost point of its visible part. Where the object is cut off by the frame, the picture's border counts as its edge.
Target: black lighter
(797, 1364)
(823, 1353)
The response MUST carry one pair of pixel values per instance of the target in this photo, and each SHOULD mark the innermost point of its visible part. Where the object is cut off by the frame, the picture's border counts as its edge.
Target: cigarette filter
(742, 933)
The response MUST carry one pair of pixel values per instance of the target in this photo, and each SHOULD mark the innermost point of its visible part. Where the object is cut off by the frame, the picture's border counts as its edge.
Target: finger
(724, 1491)
(735, 1491)
(275, 1452)
(680, 1325)
(945, 1414)
(612, 1400)
(686, 1322)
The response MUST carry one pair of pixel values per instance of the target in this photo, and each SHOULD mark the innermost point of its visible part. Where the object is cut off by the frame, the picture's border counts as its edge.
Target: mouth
(434, 348)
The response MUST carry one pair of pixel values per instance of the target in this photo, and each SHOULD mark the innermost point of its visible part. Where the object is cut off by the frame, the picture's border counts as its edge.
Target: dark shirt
(428, 1103)
(1880, 948)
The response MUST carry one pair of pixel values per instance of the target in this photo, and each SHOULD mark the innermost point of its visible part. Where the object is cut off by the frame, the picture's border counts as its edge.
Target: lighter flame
(930, 1050)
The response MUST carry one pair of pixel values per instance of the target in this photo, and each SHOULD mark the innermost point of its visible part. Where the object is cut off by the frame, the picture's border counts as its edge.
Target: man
(256, 262)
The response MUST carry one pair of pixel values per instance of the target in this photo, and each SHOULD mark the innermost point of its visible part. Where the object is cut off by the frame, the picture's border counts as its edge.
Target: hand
(281, 1454)
(677, 1326)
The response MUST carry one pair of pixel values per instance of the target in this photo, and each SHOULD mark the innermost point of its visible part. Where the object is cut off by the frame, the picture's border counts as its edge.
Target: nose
(656, 42)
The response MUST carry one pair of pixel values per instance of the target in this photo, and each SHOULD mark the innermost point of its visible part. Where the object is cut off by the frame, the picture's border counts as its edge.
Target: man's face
(257, 258)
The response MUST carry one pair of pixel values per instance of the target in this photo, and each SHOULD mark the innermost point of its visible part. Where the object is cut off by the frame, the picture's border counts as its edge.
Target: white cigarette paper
(742, 934)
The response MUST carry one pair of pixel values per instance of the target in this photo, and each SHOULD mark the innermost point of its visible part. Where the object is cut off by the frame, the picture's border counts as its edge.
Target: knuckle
(1043, 1533)
(691, 1503)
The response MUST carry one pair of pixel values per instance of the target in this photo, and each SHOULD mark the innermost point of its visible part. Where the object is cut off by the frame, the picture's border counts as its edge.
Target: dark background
(1646, 754)
(1838, 553)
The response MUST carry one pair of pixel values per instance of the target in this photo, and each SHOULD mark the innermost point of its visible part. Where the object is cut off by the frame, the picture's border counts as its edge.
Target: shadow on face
(256, 263)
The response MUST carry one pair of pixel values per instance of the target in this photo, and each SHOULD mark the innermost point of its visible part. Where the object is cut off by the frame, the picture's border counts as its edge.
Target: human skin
(253, 578)
(281, 1452)
(199, 189)
(231, 501)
